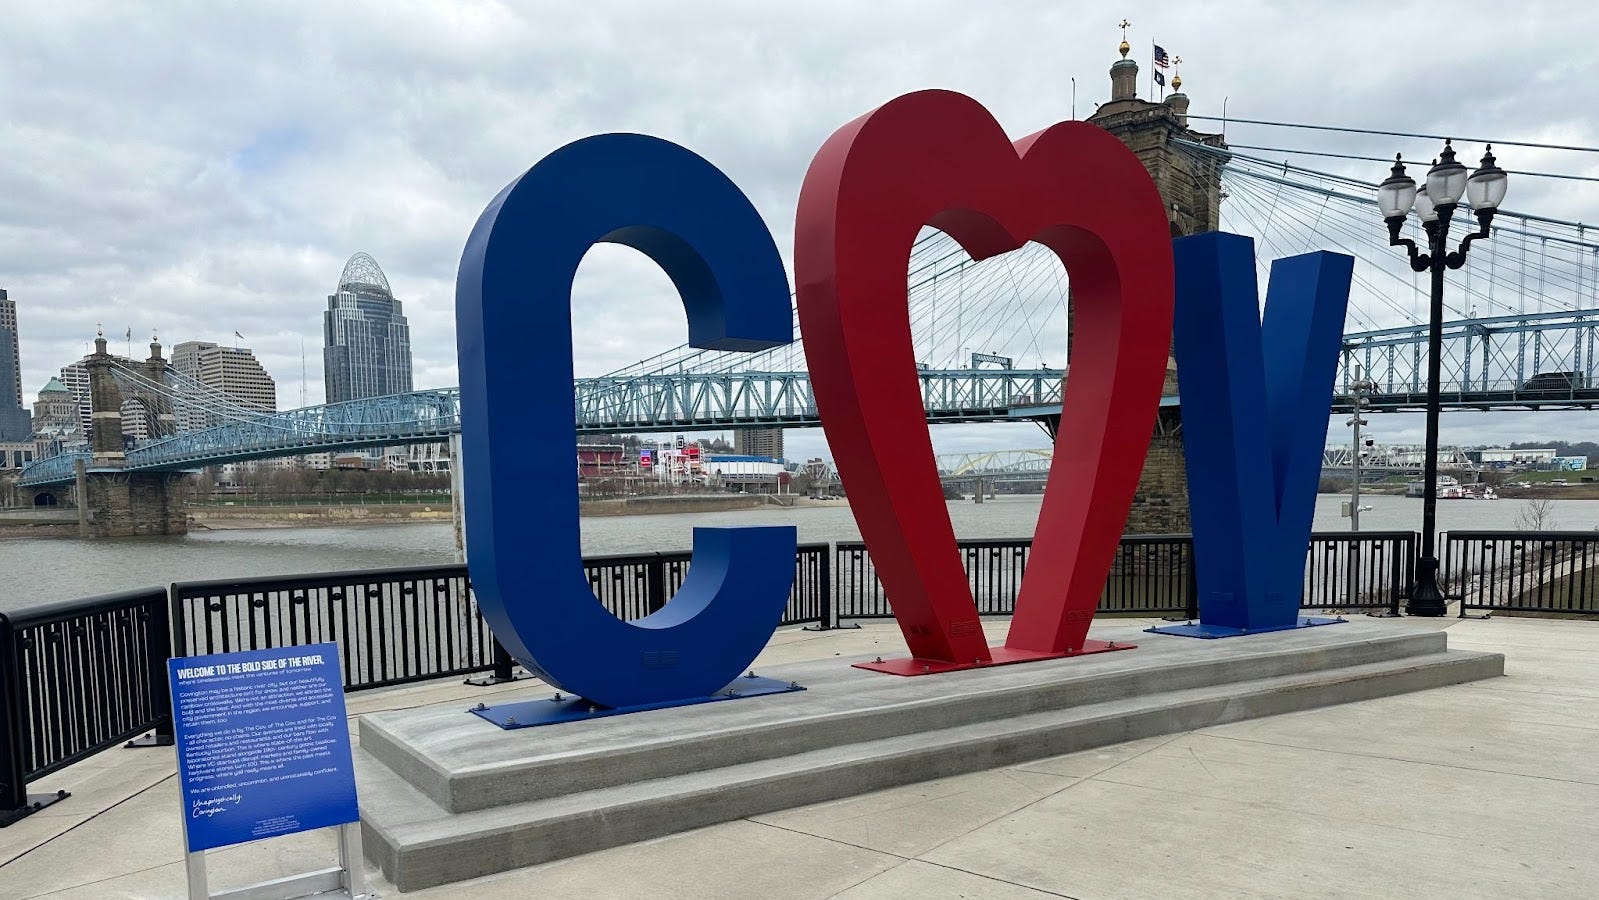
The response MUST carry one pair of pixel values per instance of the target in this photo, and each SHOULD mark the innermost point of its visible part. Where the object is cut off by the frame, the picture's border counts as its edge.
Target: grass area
(328, 500)
(1546, 477)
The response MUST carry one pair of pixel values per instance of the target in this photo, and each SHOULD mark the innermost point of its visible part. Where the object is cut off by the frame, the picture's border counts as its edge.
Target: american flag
(1161, 59)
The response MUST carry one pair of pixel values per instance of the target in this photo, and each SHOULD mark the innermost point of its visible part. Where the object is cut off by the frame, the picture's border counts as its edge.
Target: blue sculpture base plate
(561, 708)
(1212, 632)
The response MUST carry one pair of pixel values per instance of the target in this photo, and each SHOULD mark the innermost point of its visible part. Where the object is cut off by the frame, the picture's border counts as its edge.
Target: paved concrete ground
(1488, 789)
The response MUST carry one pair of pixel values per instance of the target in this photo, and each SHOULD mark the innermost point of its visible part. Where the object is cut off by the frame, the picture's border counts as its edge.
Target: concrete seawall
(282, 516)
(633, 506)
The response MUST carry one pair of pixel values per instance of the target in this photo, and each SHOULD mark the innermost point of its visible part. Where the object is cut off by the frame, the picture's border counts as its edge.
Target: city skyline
(241, 211)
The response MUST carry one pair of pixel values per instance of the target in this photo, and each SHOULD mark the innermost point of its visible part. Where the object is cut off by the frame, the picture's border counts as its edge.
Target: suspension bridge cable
(1359, 279)
(1405, 134)
(1365, 223)
(1368, 199)
(1389, 161)
(1469, 288)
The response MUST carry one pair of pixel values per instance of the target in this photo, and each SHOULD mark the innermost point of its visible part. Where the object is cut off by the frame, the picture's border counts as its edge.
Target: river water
(38, 570)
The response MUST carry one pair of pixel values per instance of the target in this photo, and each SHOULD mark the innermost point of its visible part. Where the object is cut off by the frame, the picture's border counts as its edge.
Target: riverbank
(698, 503)
(225, 518)
(1505, 491)
(228, 518)
(23, 523)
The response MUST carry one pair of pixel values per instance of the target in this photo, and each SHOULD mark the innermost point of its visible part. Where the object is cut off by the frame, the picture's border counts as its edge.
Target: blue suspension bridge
(1522, 332)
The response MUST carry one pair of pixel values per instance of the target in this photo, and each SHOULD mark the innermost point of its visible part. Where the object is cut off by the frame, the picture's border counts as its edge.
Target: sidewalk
(1486, 789)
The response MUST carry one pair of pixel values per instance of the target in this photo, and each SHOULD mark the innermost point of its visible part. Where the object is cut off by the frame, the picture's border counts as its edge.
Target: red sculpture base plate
(1000, 656)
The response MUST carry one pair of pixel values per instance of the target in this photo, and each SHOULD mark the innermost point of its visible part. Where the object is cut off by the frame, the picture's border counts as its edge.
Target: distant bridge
(1396, 458)
(1488, 365)
(996, 465)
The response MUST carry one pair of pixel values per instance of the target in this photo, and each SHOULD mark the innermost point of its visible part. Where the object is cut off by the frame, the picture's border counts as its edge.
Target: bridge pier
(113, 502)
(1160, 505)
(128, 504)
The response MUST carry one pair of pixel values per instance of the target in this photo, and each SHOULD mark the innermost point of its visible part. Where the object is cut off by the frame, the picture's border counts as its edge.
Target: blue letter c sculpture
(518, 414)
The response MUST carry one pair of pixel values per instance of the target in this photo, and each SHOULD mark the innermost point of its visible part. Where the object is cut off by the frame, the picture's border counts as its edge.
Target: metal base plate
(489, 680)
(1212, 632)
(1000, 656)
(559, 708)
(150, 740)
(36, 802)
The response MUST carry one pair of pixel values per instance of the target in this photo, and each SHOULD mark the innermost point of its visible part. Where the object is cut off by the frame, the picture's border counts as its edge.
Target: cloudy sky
(201, 171)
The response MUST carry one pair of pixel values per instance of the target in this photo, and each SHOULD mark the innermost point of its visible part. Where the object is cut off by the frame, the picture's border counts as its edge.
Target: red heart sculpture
(939, 158)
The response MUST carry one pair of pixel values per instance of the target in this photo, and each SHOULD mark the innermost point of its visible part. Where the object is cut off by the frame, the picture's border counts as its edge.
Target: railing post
(824, 581)
(655, 583)
(157, 650)
(13, 777)
(1409, 571)
(503, 663)
(501, 673)
(1191, 608)
(14, 800)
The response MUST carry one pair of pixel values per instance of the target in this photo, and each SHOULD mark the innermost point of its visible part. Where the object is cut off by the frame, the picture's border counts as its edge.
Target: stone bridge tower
(1191, 186)
(113, 502)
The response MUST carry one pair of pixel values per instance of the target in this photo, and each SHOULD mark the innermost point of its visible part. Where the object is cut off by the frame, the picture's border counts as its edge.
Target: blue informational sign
(263, 744)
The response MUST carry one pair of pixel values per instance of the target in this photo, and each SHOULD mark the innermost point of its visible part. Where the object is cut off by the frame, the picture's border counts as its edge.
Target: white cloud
(203, 170)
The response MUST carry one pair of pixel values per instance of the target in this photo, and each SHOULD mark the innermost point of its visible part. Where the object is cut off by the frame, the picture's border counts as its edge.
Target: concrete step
(418, 843)
(462, 765)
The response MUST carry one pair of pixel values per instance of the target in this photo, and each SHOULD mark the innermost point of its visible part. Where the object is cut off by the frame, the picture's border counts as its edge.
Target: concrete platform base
(446, 796)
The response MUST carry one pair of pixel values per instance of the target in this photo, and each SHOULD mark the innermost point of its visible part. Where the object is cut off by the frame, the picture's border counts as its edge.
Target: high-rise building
(75, 376)
(14, 421)
(233, 373)
(767, 442)
(57, 420)
(366, 340)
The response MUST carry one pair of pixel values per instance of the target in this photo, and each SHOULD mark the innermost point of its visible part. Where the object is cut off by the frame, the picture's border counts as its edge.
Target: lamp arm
(1418, 261)
(1458, 258)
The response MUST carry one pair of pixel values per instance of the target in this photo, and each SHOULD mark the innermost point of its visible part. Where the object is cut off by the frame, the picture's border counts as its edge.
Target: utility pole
(1358, 389)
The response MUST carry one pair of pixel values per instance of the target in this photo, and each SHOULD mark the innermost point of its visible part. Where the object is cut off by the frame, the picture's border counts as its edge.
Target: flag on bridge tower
(1161, 59)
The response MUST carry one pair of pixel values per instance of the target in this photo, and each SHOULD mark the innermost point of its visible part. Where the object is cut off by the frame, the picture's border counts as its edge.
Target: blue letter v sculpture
(1255, 407)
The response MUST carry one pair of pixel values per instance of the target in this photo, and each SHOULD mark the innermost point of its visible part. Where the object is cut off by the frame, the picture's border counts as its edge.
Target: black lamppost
(1435, 203)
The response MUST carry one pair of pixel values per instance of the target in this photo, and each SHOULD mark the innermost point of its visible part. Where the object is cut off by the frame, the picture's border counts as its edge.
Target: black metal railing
(1507, 571)
(397, 626)
(76, 678)
(79, 676)
(1359, 570)
(1151, 575)
(393, 626)
(634, 585)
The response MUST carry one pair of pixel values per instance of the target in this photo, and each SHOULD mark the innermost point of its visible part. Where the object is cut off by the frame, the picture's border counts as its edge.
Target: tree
(1537, 515)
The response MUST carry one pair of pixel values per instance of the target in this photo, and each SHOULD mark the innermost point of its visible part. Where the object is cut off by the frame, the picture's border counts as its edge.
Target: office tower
(366, 340)
(230, 376)
(14, 421)
(767, 442)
